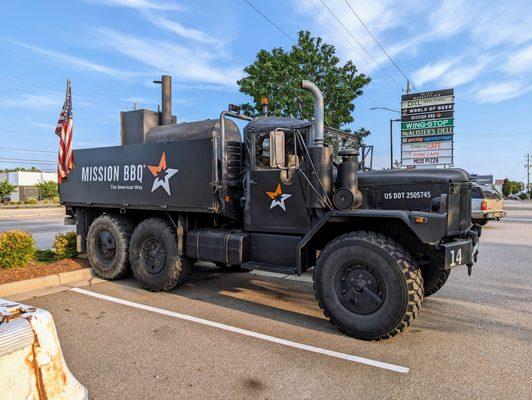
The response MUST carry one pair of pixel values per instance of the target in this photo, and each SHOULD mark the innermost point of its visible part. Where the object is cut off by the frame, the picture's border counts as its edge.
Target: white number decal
(456, 259)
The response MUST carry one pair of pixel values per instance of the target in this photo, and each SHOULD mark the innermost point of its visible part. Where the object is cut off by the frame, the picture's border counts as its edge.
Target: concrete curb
(28, 206)
(48, 281)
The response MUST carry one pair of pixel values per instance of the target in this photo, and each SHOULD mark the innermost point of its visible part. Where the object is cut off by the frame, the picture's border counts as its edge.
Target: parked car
(486, 204)
(31, 361)
(513, 196)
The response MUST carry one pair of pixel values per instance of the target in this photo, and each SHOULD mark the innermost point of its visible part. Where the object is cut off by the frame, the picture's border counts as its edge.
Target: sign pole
(391, 143)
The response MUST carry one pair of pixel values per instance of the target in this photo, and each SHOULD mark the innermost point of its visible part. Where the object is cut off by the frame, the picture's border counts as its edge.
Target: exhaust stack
(319, 112)
(166, 99)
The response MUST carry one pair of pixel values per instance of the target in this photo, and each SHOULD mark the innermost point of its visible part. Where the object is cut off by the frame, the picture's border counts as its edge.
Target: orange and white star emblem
(162, 175)
(278, 197)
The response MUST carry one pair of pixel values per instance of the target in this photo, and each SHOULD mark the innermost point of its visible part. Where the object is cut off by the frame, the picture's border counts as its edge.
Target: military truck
(272, 199)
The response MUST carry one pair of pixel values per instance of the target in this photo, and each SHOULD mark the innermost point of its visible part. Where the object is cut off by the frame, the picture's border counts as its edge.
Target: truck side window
(476, 193)
(262, 151)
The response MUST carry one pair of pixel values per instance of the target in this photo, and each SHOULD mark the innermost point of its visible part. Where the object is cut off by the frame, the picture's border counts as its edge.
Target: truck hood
(402, 176)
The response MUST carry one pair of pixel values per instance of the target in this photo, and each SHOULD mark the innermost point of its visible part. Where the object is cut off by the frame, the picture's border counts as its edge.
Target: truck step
(280, 269)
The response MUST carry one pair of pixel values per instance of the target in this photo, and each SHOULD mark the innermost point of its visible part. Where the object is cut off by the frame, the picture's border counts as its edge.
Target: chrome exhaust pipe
(319, 111)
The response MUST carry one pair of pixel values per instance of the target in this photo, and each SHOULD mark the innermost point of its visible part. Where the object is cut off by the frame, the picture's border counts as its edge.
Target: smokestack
(167, 99)
(319, 126)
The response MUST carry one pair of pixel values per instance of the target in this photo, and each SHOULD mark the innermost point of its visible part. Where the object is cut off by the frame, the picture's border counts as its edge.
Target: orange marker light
(264, 101)
(420, 220)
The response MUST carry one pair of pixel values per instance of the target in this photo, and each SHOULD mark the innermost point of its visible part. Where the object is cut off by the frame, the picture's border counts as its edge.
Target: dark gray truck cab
(275, 200)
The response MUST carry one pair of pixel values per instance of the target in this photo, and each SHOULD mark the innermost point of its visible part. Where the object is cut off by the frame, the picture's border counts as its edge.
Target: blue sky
(113, 49)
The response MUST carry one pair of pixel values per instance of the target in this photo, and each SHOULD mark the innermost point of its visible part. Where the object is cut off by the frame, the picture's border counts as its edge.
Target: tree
(510, 187)
(277, 74)
(47, 189)
(32, 169)
(6, 189)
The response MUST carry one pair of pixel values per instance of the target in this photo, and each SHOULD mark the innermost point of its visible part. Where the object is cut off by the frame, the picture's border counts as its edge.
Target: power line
(360, 44)
(350, 43)
(24, 161)
(376, 41)
(28, 150)
(271, 22)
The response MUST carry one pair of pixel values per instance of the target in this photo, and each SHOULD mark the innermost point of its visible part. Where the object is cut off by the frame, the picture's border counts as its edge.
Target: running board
(280, 269)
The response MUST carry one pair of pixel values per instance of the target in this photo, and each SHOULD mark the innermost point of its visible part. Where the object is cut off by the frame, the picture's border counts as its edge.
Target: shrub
(55, 200)
(65, 245)
(31, 200)
(45, 255)
(523, 196)
(16, 248)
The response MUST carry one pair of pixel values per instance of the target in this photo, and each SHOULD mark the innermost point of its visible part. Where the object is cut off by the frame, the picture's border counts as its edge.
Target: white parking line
(289, 343)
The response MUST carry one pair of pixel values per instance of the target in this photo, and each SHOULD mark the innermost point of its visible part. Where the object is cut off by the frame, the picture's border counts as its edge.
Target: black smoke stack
(166, 100)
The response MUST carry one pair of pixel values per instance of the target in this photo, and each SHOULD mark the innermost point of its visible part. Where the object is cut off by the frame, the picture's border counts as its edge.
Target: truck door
(277, 196)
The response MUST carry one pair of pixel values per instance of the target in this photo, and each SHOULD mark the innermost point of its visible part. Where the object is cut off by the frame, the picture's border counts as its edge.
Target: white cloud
(520, 62)
(77, 62)
(495, 92)
(181, 30)
(432, 71)
(184, 63)
(141, 4)
(34, 101)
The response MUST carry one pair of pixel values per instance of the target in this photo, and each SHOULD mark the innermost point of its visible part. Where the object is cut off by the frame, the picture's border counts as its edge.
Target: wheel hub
(360, 289)
(153, 255)
(106, 246)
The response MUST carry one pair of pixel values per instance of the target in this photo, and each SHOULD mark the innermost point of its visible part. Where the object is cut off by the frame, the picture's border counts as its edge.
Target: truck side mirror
(277, 153)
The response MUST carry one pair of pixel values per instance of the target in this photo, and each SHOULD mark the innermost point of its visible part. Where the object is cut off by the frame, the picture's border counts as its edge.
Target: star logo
(162, 175)
(278, 197)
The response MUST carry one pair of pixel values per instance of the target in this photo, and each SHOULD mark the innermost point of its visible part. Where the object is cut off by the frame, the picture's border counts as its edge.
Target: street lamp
(391, 129)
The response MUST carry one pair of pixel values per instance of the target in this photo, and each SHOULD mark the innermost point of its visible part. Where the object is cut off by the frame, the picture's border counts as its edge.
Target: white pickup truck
(486, 205)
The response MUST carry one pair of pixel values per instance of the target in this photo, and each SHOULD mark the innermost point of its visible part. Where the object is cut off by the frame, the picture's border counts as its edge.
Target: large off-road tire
(154, 258)
(107, 246)
(434, 277)
(368, 285)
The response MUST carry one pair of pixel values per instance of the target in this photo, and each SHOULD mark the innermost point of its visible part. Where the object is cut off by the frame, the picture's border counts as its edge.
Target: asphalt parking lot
(42, 223)
(472, 340)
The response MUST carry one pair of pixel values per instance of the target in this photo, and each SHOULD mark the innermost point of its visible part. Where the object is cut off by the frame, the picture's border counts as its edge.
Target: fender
(429, 232)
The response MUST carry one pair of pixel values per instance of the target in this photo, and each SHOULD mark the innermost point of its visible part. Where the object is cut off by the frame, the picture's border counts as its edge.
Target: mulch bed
(37, 269)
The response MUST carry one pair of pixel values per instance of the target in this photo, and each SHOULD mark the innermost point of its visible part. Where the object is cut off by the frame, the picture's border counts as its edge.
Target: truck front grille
(234, 162)
(464, 214)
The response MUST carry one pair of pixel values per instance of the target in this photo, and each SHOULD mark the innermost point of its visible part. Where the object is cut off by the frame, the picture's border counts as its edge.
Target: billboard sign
(427, 146)
(420, 139)
(434, 101)
(428, 132)
(426, 116)
(427, 109)
(427, 153)
(434, 123)
(427, 161)
(427, 128)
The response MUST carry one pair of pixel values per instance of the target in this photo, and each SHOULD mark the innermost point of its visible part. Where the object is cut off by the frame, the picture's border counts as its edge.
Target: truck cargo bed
(169, 175)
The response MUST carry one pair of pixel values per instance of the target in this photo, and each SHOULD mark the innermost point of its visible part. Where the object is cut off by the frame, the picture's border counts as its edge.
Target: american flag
(65, 161)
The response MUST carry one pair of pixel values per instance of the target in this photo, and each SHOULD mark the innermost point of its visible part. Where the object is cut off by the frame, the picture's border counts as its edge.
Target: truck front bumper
(490, 215)
(463, 250)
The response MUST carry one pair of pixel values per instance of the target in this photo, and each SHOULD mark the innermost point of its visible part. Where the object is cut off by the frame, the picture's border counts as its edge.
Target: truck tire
(107, 246)
(368, 285)
(153, 256)
(434, 277)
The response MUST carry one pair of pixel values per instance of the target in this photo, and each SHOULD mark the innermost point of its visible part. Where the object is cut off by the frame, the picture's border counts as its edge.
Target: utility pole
(391, 140)
(407, 86)
(528, 175)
